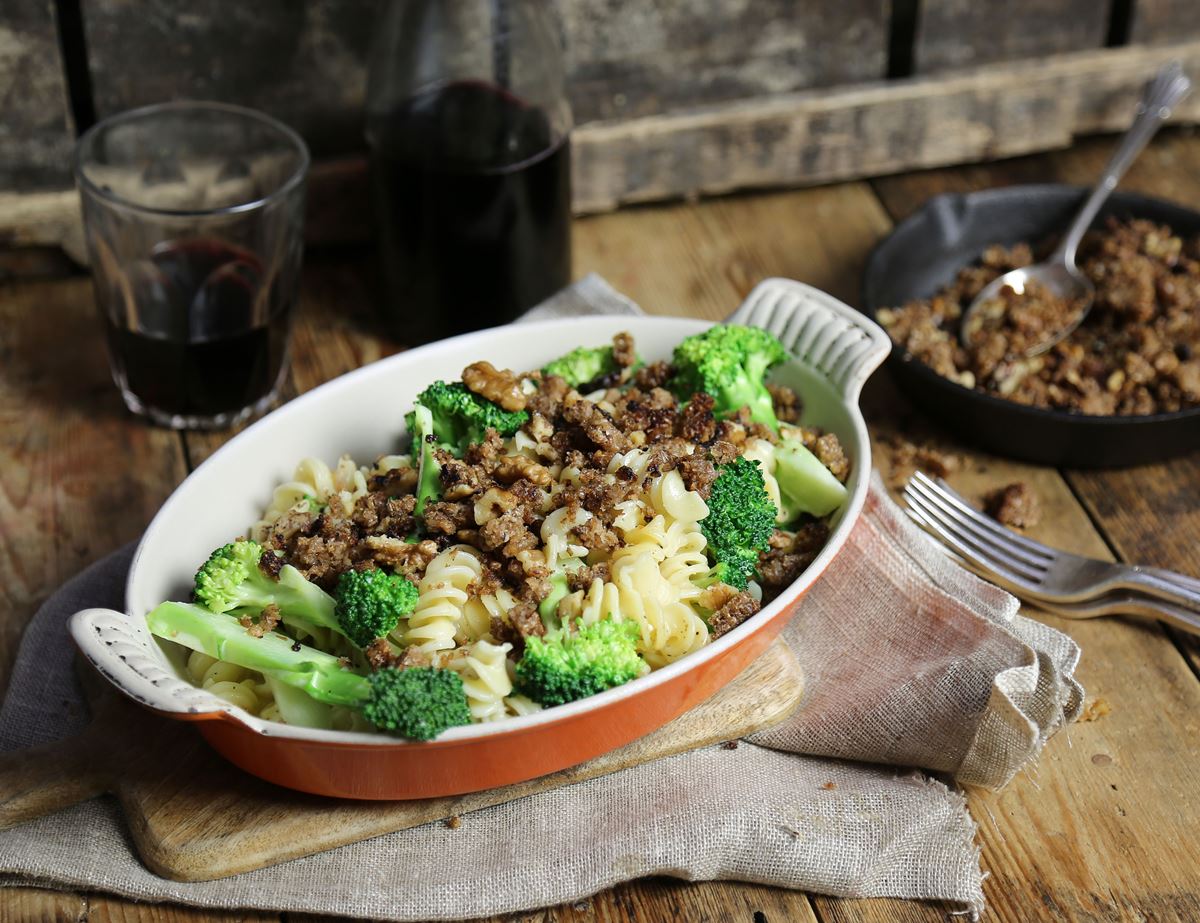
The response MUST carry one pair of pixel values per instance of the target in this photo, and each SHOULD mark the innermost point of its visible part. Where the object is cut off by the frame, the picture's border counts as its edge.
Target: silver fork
(1035, 571)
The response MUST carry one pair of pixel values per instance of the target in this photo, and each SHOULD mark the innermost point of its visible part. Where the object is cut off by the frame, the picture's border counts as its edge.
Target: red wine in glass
(208, 337)
(473, 197)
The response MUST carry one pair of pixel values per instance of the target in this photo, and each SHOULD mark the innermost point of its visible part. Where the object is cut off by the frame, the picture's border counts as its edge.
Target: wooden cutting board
(194, 817)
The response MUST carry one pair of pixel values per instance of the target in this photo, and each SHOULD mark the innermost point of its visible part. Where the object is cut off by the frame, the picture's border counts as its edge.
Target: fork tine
(927, 525)
(950, 531)
(953, 497)
(970, 564)
(984, 537)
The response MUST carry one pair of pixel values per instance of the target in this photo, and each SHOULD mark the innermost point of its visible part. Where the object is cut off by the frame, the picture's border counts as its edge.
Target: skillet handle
(125, 653)
(831, 337)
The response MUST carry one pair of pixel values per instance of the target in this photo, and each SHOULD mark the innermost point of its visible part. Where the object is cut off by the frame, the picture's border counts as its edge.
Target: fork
(1032, 570)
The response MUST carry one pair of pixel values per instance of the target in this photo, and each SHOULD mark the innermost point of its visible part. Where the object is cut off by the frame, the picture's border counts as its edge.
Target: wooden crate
(36, 130)
(966, 33)
(688, 98)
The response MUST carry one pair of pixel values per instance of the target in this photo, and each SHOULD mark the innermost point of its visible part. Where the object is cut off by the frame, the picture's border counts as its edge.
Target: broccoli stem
(429, 485)
(805, 485)
(559, 588)
(218, 635)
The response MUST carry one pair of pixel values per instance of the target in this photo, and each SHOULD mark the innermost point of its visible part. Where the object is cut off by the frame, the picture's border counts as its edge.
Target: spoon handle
(1159, 97)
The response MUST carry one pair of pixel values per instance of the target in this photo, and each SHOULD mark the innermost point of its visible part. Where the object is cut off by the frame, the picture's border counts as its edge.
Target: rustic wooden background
(671, 100)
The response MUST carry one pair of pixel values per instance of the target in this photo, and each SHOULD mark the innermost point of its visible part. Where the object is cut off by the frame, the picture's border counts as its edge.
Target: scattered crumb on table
(1013, 505)
(1095, 710)
(905, 457)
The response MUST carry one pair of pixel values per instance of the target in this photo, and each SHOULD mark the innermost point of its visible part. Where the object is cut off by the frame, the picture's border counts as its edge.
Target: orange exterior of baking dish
(440, 768)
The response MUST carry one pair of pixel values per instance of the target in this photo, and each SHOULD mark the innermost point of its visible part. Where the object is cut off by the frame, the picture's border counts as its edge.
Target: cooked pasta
(236, 685)
(485, 678)
(443, 595)
(314, 485)
(478, 613)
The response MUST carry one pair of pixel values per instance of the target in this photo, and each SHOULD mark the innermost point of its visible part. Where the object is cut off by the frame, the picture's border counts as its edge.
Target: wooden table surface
(1104, 827)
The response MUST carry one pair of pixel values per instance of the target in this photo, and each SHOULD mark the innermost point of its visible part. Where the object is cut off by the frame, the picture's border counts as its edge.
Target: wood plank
(38, 132)
(302, 62)
(999, 110)
(1168, 168)
(104, 909)
(22, 905)
(962, 33)
(662, 900)
(1158, 22)
(644, 57)
(78, 476)
(701, 260)
(306, 63)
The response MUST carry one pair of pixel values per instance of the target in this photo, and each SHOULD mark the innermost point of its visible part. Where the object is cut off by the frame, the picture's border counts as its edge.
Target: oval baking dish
(834, 349)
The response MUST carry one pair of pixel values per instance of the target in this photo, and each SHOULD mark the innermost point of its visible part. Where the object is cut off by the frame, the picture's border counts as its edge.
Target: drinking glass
(193, 214)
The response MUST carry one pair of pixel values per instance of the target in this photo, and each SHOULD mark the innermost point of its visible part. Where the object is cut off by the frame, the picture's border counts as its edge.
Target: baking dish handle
(124, 653)
(832, 338)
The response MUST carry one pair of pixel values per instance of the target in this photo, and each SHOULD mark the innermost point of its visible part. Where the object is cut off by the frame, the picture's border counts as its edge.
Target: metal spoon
(1059, 273)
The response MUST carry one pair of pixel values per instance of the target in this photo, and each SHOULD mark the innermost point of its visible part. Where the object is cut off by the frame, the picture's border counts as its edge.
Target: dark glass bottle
(469, 131)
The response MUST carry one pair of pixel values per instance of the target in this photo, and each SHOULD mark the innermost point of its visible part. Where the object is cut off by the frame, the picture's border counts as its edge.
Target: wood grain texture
(102, 909)
(77, 479)
(1159, 22)
(302, 62)
(37, 133)
(306, 63)
(630, 58)
(963, 33)
(994, 111)
(26, 905)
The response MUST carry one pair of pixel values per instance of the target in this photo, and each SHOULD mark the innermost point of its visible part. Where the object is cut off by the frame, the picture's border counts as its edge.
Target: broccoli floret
(730, 363)
(231, 579)
(366, 606)
(460, 417)
(369, 603)
(418, 703)
(584, 365)
(805, 485)
(718, 573)
(740, 520)
(561, 667)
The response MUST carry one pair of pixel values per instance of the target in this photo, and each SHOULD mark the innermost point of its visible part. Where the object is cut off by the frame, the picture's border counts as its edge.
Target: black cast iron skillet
(925, 252)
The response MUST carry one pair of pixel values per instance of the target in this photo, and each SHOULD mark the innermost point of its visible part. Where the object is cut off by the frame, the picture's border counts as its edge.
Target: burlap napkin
(910, 661)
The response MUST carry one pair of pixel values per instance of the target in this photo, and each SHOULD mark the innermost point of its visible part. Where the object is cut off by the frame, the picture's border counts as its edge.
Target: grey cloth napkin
(909, 660)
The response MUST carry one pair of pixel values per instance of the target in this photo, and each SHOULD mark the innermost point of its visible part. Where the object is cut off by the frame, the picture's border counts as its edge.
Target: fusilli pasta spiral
(443, 594)
(484, 672)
